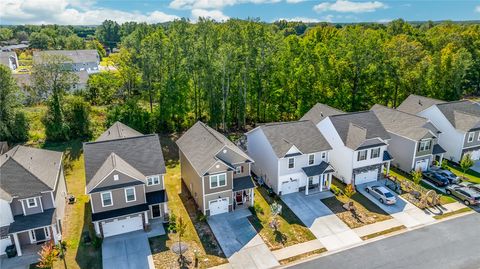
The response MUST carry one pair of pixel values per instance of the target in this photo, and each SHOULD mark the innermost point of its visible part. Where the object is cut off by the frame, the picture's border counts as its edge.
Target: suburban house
(215, 170)
(291, 157)
(25, 83)
(32, 197)
(9, 59)
(124, 172)
(79, 60)
(414, 139)
(359, 144)
(458, 122)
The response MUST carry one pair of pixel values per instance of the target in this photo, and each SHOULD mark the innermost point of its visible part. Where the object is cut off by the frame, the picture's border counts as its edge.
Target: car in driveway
(465, 194)
(470, 185)
(382, 194)
(452, 178)
(436, 178)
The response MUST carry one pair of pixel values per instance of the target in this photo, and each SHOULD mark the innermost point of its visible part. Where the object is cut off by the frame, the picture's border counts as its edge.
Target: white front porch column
(54, 233)
(329, 180)
(146, 217)
(321, 181)
(388, 168)
(252, 193)
(97, 228)
(17, 244)
(441, 160)
(306, 186)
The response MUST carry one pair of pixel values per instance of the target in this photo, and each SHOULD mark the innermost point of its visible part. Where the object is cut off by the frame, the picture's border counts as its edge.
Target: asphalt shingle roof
(357, 127)
(203, 146)
(243, 183)
(463, 115)
(77, 56)
(118, 130)
(318, 169)
(120, 212)
(25, 166)
(320, 111)
(304, 135)
(416, 103)
(403, 124)
(23, 223)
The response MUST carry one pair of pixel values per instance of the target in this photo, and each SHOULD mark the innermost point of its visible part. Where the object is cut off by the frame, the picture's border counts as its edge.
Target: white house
(359, 143)
(291, 157)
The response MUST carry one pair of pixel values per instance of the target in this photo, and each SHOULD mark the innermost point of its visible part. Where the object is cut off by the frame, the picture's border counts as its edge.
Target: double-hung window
(130, 195)
(375, 153)
(239, 169)
(218, 180)
(424, 145)
(31, 202)
(153, 180)
(362, 155)
(291, 163)
(106, 199)
(311, 159)
(471, 135)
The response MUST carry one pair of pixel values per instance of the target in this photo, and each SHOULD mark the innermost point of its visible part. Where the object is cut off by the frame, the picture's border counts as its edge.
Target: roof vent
(217, 166)
(321, 114)
(224, 151)
(115, 177)
(420, 102)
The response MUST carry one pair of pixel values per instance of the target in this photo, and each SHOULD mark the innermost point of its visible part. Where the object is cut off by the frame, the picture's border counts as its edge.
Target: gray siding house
(32, 197)
(79, 60)
(125, 172)
(215, 170)
(414, 139)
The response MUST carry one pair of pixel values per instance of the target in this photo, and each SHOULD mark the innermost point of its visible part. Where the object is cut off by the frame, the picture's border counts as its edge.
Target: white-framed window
(310, 180)
(471, 135)
(239, 169)
(31, 202)
(424, 145)
(218, 180)
(130, 195)
(324, 155)
(311, 159)
(362, 155)
(115, 177)
(375, 153)
(291, 163)
(153, 180)
(106, 198)
(32, 235)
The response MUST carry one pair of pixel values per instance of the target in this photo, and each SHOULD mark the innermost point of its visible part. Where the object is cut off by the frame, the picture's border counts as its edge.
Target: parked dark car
(475, 187)
(450, 176)
(437, 179)
(467, 195)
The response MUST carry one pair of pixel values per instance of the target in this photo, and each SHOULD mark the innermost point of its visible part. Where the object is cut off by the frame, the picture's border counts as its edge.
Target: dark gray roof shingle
(118, 130)
(416, 103)
(23, 223)
(318, 169)
(243, 183)
(463, 115)
(304, 135)
(320, 111)
(76, 56)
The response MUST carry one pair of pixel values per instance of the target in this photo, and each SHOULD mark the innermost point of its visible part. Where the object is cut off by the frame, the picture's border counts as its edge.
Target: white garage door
(365, 177)
(475, 155)
(290, 186)
(218, 206)
(421, 165)
(122, 226)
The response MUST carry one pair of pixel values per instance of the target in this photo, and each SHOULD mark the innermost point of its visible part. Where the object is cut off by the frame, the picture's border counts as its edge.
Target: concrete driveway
(240, 242)
(126, 251)
(405, 212)
(332, 232)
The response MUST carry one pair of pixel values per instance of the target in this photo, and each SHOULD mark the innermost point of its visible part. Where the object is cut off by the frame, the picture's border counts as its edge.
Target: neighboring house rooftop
(76, 56)
(359, 129)
(25, 79)
(3, 147)
(463, 115)
(404, 124)
(14, 47)
(118, 130)
(304, 135)
(27, 171)
(320, 111)
(144, 153)
(203, 146)
(416, 103)
(5, 57)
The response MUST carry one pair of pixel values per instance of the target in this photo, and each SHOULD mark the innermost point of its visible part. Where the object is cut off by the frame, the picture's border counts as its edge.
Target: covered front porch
(319, 178)
(387, 159)
(243, 192)
(437, 153)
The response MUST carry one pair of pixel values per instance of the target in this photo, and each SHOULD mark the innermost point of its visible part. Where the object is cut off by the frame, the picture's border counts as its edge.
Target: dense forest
(239, 73)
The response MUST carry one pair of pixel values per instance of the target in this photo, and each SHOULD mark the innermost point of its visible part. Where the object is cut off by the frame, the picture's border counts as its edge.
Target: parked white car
(382, 194)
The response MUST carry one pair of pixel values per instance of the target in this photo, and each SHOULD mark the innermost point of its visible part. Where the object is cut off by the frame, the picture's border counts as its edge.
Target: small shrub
(257, 209)
(336, 190)
(349, 190)
(417, 176)
(97, 242)
(172, 223)
(201, 217)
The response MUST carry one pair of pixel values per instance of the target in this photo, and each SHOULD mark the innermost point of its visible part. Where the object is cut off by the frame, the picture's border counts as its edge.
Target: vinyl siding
(60, 196)
(229, 185)
(246, 170)
(118, 196)
(474, 143)
(192, 180)
(156, 187)
(122, 179)
(403, 152)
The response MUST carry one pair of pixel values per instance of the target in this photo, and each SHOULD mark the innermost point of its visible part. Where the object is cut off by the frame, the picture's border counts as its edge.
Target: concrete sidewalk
(255, 254)
(377, 227)
(297, 249)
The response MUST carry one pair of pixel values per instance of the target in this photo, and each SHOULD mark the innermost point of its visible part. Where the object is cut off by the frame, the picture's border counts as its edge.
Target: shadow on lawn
(89, 254)
(170, 149)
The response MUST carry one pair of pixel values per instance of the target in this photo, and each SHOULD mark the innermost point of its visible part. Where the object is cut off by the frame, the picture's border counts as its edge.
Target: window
(153, 180)
(31, 202)
(375, 153)
(362, 155)
(106, 199)
(424, 145)
(471, 135)
(310, 181)
(324, 155)
(291, 163)
(219, 180)
(239, 169)
(311, 159)
(130, 195)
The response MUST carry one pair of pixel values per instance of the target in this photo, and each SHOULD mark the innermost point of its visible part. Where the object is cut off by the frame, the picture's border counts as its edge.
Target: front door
(156, 213)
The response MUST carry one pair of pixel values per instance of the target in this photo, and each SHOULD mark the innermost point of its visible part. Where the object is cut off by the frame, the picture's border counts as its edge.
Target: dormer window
(311, 159)
(153, 180)
(471, 135)
(31, 202)
(239, 169)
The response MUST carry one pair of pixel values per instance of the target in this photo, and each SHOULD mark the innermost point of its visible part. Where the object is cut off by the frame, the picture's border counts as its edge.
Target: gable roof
(416, 103)
(320, 111)
(356, 128)
(25, 166)
(404, 124)
(76, 56)
(303, 135)
(463, 115)
(118, 130)
(203, 146)
(144, 153)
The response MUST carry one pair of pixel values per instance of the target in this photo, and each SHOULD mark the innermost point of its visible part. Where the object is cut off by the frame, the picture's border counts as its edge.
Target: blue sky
(151, 11)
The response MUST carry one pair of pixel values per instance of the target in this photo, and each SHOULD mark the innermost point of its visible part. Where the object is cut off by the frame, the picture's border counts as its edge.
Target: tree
(6, 34)
(40, 41)
(73, 42)
(77, 115)
(95, 45)
(108, 33)
(102, 88)
(181, 228)
(417, 176)
(21, 36)
(131, 114)
(349, 191)
(466, 163)
(47, 255)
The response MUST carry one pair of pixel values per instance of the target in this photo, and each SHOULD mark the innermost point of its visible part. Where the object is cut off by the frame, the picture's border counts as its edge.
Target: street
(450, 244)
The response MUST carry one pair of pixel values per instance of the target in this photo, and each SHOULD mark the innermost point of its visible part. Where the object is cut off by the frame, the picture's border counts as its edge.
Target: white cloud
(295, 1)
(477, 9)
(384, 20)
(73, 12)
(328, 18)
(346, 6)
(216, 15)
(214, 4)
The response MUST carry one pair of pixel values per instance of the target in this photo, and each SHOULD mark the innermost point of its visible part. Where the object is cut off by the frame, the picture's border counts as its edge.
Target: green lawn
(291, 230)
(471, 175)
